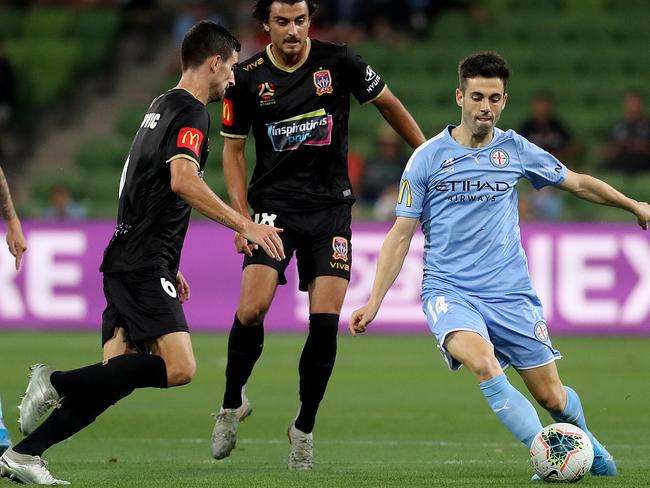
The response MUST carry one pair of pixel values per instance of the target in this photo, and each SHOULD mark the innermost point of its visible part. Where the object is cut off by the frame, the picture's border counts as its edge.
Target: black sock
(316, 365)
(126, 372)
(244, 349)
(75, 413)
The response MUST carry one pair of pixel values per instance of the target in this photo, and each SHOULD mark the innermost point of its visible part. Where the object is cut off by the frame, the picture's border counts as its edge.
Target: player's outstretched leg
(315, 368)
(245, 345)
(509, 405)
(74, 413)
(26, 469)
(5, 441)
(513, 409)
(603, 464)
(120, 373)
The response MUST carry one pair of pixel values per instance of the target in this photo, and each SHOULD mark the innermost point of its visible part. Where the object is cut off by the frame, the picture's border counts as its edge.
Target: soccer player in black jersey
(145, 336)
(295, 95)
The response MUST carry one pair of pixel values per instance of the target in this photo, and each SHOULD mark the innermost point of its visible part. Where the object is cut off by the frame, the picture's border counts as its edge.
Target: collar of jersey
(291, 69)
(496, 137)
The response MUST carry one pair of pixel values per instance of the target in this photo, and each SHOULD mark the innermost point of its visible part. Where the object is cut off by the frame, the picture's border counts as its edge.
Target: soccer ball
(561, 453)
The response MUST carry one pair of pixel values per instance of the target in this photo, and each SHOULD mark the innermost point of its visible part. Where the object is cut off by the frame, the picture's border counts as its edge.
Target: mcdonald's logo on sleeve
(190, 138)
(227, 115)
(405, 191)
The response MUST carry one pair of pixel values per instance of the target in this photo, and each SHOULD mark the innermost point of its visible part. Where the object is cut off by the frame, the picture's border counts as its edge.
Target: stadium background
(85, 73)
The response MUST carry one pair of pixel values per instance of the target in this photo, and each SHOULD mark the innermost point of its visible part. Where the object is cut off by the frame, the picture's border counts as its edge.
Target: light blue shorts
(514, 324)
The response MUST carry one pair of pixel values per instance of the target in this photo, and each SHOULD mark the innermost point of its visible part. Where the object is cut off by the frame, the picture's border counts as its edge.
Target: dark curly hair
(206, 39)
(263, 8)
(486, 64)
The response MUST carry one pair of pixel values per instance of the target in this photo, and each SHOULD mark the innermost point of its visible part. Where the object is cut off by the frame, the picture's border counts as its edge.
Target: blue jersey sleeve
(540, 167)
(413, 187)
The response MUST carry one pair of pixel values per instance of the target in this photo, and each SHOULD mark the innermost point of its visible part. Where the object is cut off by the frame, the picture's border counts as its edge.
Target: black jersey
(299, 117)
(152, 220)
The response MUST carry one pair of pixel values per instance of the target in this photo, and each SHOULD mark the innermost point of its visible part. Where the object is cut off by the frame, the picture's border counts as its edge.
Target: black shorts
(144, 303)
(320, 239)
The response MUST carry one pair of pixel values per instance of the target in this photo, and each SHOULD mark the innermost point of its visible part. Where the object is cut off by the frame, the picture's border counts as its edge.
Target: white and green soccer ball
(561, 453)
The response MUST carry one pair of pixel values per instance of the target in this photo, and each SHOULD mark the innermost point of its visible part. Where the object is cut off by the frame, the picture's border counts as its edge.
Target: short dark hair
(486, 65)
(263, 8)
(206, 39)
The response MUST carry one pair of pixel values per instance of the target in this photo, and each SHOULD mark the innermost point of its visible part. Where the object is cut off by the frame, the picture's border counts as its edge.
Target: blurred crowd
(626, 150)
(375, 177)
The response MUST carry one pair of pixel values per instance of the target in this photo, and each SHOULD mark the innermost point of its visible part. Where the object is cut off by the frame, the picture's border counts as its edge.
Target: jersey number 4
(441, 307)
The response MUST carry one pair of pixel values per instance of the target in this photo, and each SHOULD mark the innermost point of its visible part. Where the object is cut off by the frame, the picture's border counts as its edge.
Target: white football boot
(27, 469)
(39, 397)
(224, 435)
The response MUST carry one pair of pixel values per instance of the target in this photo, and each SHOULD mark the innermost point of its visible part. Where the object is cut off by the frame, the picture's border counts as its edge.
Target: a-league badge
(323, 82)
(499, 158)
(541, 332)
(340, 247)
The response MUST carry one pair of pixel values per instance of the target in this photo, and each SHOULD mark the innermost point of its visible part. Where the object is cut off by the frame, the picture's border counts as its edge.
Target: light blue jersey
(475, 270)
(467, 203)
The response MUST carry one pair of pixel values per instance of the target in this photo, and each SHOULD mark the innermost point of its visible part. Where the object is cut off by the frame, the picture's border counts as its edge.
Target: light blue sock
(512, 408)
(572, 413)
(2, 426)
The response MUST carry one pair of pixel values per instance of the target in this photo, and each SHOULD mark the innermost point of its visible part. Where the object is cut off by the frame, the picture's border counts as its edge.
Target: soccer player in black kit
(145, 337)
(295, 95)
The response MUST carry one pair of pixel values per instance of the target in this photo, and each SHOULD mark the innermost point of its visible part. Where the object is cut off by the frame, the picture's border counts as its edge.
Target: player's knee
(251, 314)
(483, 366)
(181, 373)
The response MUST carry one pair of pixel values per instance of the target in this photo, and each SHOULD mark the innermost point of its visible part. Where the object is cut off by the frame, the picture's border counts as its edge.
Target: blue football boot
(5, 441)
(604, 464)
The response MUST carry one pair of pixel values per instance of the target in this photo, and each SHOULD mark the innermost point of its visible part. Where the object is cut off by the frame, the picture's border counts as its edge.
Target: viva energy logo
(311, 129)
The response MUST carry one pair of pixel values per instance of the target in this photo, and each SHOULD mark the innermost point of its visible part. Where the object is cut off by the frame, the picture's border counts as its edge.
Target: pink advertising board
(592, 278)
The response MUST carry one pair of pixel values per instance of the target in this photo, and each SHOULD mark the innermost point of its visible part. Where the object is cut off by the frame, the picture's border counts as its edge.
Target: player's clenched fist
(361, 318)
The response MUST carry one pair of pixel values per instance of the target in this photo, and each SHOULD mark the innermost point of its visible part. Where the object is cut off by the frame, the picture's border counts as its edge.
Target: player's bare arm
(399, 118)
(391, 259)
(234, 171)
(597, 191)
(186, 183)
(15, 238)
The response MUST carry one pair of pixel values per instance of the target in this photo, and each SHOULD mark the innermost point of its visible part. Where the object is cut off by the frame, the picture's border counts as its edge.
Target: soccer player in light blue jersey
(17, 246)
(477, 294)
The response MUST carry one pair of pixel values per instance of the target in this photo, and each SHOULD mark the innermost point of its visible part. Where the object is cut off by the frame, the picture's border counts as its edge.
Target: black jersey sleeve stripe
(375, 98)
(184, 156)
(233, 136)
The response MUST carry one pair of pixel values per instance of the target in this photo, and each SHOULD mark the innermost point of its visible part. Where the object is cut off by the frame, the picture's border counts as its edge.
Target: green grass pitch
(393, 416)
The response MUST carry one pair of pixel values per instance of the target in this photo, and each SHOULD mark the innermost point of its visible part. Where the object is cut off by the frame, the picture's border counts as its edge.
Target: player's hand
(182, 287)
(16, 240)
(243, 246)
(643, 214)
(267, 237)
(361, 318)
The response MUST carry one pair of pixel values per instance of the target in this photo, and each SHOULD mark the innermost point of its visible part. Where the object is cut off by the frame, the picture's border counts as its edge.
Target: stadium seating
(585, 52)
(49, 47)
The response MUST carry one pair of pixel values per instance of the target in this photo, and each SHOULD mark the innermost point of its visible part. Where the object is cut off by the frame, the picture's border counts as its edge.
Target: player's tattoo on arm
(6, 205)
